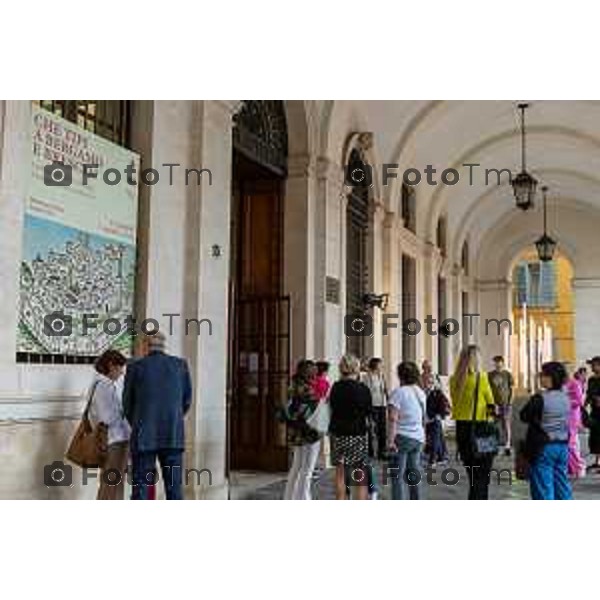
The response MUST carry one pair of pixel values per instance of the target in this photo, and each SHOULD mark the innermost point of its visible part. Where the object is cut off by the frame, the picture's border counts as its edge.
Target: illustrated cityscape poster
(79, 245)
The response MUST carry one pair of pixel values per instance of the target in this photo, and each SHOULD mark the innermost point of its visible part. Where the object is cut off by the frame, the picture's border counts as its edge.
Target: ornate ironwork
(107, 118)
(260, 133)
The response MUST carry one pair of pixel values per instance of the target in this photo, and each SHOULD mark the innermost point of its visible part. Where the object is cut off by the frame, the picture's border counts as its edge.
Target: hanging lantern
(545, 245)
(524, 184)
(545, 248)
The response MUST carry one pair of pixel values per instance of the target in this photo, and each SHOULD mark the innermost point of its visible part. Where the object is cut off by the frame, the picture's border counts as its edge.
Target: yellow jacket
(462, 403)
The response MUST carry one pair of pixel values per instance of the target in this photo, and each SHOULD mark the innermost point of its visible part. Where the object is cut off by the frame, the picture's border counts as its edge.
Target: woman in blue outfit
(547, 449)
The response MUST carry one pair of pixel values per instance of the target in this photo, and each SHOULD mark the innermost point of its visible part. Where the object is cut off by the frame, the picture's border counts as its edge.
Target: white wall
(39, 404)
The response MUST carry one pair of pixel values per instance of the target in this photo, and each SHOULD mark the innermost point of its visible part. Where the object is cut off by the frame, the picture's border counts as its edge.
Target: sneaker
(373, 496)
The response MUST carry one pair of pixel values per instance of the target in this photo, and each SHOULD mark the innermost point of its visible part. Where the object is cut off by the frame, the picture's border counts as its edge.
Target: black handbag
(485, 437)
(586, 418)
(536, 438)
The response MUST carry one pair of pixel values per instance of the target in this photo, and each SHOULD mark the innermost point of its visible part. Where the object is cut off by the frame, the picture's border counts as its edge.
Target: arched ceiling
(563, 151)
(572, 223)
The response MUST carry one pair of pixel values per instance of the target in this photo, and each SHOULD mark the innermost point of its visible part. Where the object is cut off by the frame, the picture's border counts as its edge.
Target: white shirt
(409, 401)
(107, 407)
(376, 384)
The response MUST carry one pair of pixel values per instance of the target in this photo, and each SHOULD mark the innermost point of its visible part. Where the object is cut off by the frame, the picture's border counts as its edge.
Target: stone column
(494, 304)
(186, 271)
(329, 313)
(455, 282)
(299, 252)
(587, 317)
(428, 305)
(207, 295)
(392, 282)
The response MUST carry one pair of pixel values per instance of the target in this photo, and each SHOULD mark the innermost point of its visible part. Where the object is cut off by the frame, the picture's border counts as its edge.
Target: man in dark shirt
(501, 382)
(592, 399)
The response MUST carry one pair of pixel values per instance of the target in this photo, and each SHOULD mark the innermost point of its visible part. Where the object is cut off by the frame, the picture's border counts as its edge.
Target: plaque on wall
(332, 290)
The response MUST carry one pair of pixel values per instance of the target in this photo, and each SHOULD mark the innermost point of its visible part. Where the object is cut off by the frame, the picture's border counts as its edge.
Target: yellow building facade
(543, 313)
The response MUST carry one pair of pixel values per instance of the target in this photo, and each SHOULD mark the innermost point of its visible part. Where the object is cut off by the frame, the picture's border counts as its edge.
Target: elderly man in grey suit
(157, 394)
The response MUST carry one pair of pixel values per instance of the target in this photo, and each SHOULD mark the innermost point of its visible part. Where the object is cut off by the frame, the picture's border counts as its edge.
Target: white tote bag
(319, 420)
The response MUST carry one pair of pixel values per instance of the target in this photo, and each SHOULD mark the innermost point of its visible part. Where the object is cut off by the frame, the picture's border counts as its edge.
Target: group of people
(405, 428)
(142, 403)
(366, 422)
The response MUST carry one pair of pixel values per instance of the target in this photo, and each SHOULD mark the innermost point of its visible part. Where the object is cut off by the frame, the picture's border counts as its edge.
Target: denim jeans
(403, 462)
(436, 444)
(144, 472)
(548, 477)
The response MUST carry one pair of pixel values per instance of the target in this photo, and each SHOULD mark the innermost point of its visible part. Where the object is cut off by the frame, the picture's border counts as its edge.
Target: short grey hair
(157, 341)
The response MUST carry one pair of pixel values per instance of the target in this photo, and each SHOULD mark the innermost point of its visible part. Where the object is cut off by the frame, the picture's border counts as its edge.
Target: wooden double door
(259, 330)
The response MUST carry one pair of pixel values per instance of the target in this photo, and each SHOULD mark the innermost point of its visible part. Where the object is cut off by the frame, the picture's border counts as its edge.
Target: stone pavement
(587, 488)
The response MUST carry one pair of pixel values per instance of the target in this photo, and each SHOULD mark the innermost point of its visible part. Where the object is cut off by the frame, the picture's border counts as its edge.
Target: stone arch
(576, 232)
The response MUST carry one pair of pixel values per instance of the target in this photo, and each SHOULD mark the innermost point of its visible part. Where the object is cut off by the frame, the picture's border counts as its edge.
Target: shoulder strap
(476, 399)
(89, 402)
(413, 389)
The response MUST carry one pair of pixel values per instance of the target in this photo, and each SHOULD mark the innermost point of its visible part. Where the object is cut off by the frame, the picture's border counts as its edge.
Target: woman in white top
(406, 420)
(375, 381)
(106, 407)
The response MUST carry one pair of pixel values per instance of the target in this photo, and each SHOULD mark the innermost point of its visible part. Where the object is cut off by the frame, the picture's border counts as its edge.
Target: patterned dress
(351, 407)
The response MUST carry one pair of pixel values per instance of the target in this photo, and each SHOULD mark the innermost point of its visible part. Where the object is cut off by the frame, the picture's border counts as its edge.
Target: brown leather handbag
(88, 446)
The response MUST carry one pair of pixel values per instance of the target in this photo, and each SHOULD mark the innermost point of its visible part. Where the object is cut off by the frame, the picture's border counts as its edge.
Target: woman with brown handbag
(106, 407)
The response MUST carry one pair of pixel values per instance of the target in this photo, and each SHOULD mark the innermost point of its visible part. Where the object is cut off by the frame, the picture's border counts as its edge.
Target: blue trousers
(548, 478)
(436, 444)
(144, 472)
(405, 465)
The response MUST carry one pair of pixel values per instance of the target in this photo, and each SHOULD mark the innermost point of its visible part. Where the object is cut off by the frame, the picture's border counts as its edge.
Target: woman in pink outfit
(321, 383)
(576, 464)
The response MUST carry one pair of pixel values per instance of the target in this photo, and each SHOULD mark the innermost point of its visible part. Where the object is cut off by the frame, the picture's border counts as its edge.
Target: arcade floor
(254, 486)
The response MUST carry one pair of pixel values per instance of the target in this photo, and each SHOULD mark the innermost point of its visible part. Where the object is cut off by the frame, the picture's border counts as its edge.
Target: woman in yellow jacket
(467, 380)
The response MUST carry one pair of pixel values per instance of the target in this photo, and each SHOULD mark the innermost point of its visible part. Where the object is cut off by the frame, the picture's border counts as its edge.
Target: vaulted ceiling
(563, 152)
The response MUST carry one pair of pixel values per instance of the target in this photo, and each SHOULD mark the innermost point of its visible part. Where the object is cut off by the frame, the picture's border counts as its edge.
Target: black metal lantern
(545, 245)
(372, 300)
(524, 184)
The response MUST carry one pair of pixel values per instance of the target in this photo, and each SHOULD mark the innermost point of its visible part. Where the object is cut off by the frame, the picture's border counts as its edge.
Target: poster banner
(79, 242)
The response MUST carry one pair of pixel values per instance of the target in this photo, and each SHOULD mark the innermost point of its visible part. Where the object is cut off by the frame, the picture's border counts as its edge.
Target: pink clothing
(576, 463)
(320, 386)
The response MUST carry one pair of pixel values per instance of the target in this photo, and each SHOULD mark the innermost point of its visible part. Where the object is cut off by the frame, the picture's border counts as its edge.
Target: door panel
(262, 354)
(260, 330)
